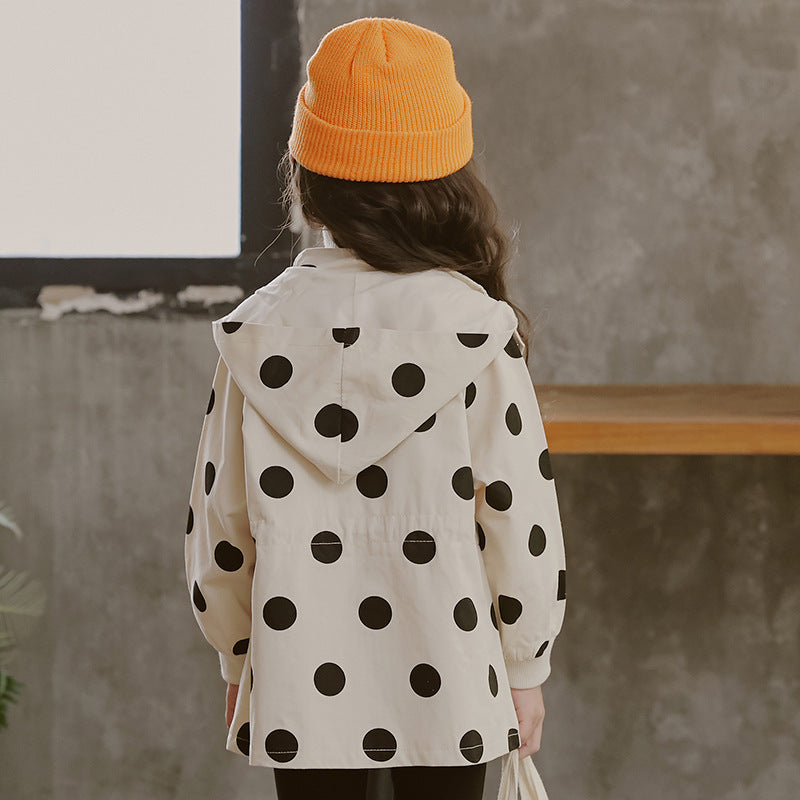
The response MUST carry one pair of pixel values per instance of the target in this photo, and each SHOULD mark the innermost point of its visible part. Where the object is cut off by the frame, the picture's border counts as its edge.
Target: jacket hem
(441, 758)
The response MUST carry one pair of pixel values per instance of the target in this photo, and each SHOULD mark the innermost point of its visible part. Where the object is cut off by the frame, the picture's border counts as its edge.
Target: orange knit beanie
(382, 103)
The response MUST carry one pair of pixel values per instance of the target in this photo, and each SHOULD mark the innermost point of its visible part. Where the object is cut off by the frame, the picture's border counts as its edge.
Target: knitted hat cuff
(385, 156)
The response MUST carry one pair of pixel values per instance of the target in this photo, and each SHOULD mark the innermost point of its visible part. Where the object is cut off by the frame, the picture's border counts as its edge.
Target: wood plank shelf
(687, 418)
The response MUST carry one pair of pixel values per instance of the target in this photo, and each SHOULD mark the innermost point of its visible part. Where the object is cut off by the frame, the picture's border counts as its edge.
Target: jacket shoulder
(490, 303)
(262, 305)
(466, 280)
(475, 293)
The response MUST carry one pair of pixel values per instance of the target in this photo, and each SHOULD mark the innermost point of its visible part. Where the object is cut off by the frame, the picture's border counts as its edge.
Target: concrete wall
(649, 152)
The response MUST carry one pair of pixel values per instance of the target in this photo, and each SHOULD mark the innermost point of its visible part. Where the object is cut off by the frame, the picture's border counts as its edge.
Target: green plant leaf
(9, 692)
(22, 599)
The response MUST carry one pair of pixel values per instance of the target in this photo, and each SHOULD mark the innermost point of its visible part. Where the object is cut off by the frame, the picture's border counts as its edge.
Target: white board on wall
(120, 129)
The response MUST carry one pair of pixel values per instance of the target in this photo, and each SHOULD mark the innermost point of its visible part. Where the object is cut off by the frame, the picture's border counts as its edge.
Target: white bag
(519, 779)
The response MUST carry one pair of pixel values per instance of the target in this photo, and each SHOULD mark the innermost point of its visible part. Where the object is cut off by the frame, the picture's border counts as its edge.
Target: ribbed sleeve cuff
(231, 667)
(528, 674)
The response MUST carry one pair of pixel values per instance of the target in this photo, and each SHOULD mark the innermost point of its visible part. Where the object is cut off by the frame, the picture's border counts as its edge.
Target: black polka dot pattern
(428, 424)
(469, 395)
(537, 540)
(326, 547)
(333, 420)
(209, 476)
(408, 379)
(472, 339)
(544, 464)
(243, 738)
(471, 746)
(512, 348)
(372, 481)
(425, 680)
(198, 599)
(281, 745)
(276, 481)
(345, 336)
(228, 556)
(240, 648)
(513, 419)
(348, 426)
(498, 495)
(230, 326)
(279, 613)
(510, 608)
(275, 372)
(463, 484)
(329, 679)
(330, 551)
(419, 547)
(379, 744)
(375, 612)
(465, 614)
(493, 685)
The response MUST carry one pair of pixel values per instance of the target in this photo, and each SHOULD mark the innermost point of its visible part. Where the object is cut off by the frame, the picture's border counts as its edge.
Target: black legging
(409, 783)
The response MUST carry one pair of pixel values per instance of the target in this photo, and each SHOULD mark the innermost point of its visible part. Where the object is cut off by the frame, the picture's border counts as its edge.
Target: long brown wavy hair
(409, 227)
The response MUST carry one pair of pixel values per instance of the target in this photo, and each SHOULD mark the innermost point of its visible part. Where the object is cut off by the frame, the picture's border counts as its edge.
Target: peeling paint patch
(209, 295)
(58, 300)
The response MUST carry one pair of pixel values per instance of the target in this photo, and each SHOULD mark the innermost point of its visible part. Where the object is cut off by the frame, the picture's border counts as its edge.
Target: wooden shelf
(687, 418)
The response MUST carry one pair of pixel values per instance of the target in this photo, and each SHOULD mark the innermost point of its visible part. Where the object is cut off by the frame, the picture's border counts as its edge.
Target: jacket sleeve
(517, 515)
(219, 548)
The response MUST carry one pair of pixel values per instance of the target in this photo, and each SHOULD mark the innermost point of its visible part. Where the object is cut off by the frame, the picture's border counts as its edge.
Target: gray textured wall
(648, 151)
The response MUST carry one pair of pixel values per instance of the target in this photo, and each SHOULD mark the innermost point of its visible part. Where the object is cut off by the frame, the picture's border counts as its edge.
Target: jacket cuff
(528, 674)
(231, 667)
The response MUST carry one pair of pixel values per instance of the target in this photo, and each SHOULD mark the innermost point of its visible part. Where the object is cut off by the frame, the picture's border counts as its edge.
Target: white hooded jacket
(374, 545)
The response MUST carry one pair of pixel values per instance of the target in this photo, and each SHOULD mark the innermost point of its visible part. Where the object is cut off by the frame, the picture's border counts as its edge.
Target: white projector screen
(120, 128)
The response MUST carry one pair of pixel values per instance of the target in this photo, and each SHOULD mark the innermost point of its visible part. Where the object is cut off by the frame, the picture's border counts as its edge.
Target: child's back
(374, 545)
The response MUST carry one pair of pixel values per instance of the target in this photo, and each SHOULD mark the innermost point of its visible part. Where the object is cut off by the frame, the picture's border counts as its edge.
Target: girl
(374, 545)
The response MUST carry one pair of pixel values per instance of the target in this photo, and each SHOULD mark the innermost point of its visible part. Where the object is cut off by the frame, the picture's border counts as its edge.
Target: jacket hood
(342, 387)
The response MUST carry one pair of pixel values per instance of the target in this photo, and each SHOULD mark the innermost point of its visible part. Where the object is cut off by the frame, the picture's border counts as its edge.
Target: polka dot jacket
(373, 543)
